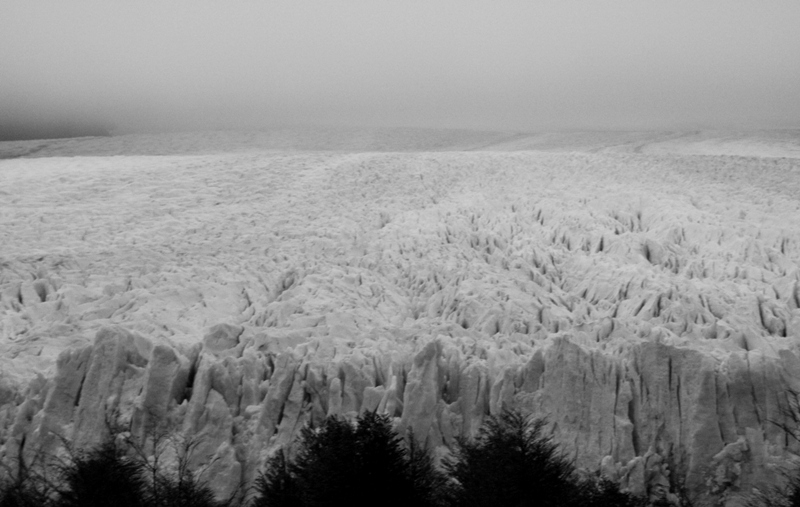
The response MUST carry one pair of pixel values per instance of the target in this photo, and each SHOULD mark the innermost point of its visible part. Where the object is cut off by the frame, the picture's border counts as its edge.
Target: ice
(632, 257)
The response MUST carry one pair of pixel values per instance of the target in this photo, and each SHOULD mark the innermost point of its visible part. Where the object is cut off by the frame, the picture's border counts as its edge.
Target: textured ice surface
(641, 289)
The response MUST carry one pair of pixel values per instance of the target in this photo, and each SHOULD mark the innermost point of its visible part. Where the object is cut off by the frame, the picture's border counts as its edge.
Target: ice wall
(647, 305)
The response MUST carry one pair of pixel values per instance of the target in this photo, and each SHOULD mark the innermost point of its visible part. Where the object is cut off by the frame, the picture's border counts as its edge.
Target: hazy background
(508, 65)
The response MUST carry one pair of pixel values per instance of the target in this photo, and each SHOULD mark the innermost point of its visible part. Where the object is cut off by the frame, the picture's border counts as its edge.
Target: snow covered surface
(171, 234)
(610, 241)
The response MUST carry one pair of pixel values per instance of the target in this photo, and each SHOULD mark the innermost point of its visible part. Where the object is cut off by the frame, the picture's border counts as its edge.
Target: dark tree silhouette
(26, 488)
(512, 463)
(357, 465)
(118, 473)
(102, 477)
(27, 484)
(178, 486)
(277, 487)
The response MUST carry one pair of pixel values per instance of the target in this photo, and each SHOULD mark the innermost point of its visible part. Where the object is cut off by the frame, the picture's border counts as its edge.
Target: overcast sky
(501, 64)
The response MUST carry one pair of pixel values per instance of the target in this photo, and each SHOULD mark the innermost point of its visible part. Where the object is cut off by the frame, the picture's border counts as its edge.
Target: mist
(516, 65)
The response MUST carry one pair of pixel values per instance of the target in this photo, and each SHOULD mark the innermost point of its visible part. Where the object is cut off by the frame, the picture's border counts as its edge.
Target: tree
(277, 486)
(102, 477)
(27, 484)
(512, 463)
(169, 483)
(120, 472)
(342, 463)
(786, 494)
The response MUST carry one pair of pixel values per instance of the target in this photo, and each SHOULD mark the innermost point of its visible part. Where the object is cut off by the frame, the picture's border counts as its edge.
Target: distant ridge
(17, 131)
(753, 143)
(287, 138)
(745, 143)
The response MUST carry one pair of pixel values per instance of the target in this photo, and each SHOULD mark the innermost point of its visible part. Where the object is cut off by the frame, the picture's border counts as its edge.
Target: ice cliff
(647, 305)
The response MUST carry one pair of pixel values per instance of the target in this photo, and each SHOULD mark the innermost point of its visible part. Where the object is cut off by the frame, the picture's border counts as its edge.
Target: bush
(339, 463)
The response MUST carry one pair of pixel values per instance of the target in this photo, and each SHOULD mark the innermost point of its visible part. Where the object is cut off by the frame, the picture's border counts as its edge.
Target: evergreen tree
(100, 478)
(356, 465)
(277, 487)
(511, 463)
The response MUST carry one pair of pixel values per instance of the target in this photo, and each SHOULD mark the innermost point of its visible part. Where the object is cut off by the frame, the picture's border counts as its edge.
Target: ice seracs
(646, 303)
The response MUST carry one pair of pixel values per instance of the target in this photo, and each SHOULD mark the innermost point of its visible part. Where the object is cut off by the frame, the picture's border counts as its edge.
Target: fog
(511, 65)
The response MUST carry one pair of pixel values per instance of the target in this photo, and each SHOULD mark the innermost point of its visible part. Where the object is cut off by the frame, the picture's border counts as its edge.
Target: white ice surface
(170, 235)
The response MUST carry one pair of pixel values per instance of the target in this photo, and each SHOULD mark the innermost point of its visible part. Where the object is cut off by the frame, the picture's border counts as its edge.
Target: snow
(352, 233)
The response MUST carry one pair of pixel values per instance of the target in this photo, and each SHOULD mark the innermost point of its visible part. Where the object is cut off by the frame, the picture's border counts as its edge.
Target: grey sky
(509, 65)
